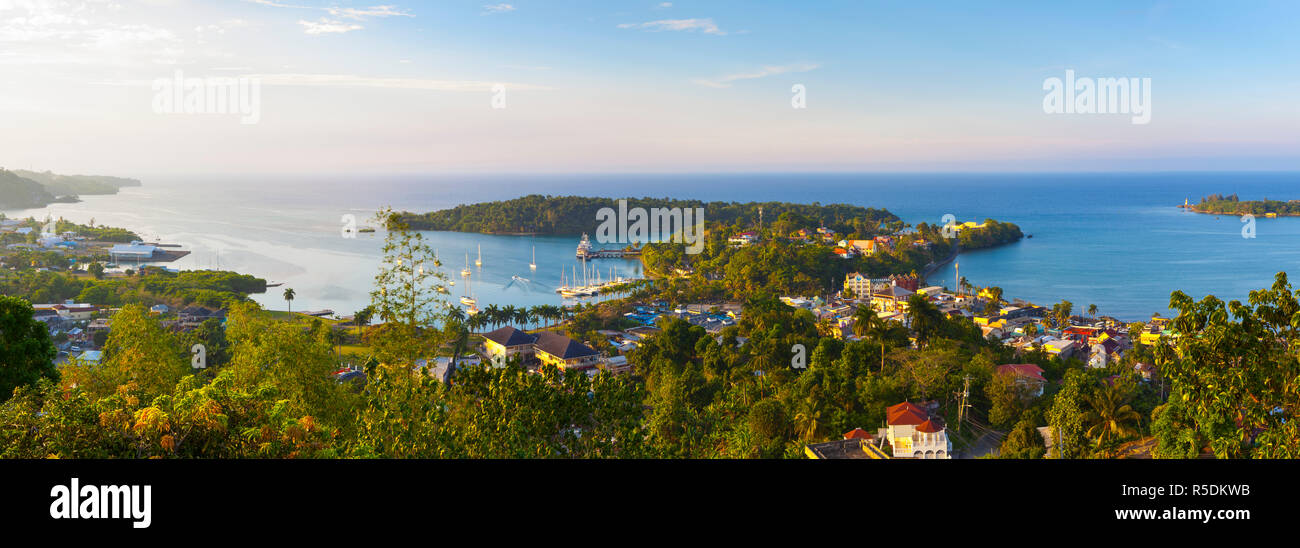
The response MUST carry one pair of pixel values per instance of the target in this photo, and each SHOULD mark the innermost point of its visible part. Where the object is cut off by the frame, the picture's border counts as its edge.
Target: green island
(572, 215)
(22, 189)
(1216, 204)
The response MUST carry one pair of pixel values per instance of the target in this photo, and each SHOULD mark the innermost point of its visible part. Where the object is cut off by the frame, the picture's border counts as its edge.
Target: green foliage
(26, 352)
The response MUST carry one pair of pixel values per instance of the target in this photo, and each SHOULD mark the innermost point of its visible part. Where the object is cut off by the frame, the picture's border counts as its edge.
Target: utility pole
(965, 403)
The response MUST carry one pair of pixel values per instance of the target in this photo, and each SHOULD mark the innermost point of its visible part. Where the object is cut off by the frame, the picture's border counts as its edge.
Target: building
(857, 283)
(514, 343)
(134, 251)
(891, 299)
(743, 239)
(914, 433)
(546, 347)
(75, 312)
(1025, 374)
(864, 247)
(564, 353)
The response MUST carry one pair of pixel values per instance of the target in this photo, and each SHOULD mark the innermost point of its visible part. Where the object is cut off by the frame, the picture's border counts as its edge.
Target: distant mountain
(63, 185)
(21, 193)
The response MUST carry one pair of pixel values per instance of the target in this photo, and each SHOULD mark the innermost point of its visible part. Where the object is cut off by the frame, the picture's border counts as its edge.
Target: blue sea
(1114, 240)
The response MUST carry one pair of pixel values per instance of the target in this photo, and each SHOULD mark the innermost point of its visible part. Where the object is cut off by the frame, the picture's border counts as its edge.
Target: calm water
(1114, 240)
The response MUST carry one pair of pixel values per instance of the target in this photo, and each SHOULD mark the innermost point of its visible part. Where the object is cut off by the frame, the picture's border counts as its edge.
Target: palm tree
(493, 314)
(807, 421)
(866, 323)
(289, 294)
(509, 314)
(1109, 418)
(476, 322)
(1092, 311)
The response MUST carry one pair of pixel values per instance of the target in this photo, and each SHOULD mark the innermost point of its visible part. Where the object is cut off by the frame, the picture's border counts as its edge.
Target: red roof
(1022, 370)
(905, 413)
(929, 427)
(857, 434)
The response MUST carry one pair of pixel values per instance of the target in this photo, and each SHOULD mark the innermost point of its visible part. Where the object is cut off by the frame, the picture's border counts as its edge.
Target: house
(891, 299)
(1104, 352)
(75, 312)
(743, 239)
(97, 325)
(90, 357)
(914, 433)
(193, 315)
(1062, 348)
(906, 281)
(1146, 370)
(864, 247)
(564, 353)
(159, 309)
(1025, 374)
(618, 365)
(514, 343)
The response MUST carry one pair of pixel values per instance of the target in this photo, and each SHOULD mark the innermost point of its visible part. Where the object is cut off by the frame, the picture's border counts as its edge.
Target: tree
(1009, 399)
(866, 323)
(1109, 417)
(1065, 417)
(26, 353)
(409, 294)
(1092, 311)
(1232, 370)
(926, 318)
(289, 294)
(96, 269)
(138, 351)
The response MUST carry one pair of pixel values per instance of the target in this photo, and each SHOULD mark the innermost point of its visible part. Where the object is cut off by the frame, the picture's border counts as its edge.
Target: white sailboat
(467, 271)
(533, 265)
(479, 260)
(468, 298)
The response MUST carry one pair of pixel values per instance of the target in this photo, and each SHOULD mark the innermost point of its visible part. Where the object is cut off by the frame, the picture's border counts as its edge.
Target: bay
(1116, 240)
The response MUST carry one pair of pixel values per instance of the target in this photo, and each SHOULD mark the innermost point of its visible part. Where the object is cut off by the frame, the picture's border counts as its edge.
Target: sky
(566, 86)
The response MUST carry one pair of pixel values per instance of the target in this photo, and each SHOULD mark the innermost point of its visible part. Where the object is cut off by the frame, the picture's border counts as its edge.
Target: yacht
(584, 247)
(479, 260)
(467, 271)
(533, 265)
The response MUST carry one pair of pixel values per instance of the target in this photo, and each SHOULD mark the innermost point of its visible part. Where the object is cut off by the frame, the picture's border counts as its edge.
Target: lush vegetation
(1232, 205)
(147, 287)
(576, 214)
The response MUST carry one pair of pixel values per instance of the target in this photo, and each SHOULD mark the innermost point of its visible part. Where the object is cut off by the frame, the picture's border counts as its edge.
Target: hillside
(19, 193)
(62, 185)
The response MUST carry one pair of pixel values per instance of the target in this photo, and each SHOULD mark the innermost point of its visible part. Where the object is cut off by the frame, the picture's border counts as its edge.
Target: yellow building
(564, 353)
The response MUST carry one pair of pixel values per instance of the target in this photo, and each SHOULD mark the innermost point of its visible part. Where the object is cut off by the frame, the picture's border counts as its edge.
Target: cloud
(702, 25)
(372, 11)
(359, 81)
(493, 9)
(726, 81)
(328, 26)
(665, 5)
(352, 80)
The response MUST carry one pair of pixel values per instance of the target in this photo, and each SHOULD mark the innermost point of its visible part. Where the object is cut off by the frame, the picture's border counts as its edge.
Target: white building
(914, 434)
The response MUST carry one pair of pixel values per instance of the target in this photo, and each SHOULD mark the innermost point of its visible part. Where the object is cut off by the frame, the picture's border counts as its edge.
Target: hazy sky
(386, 86)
